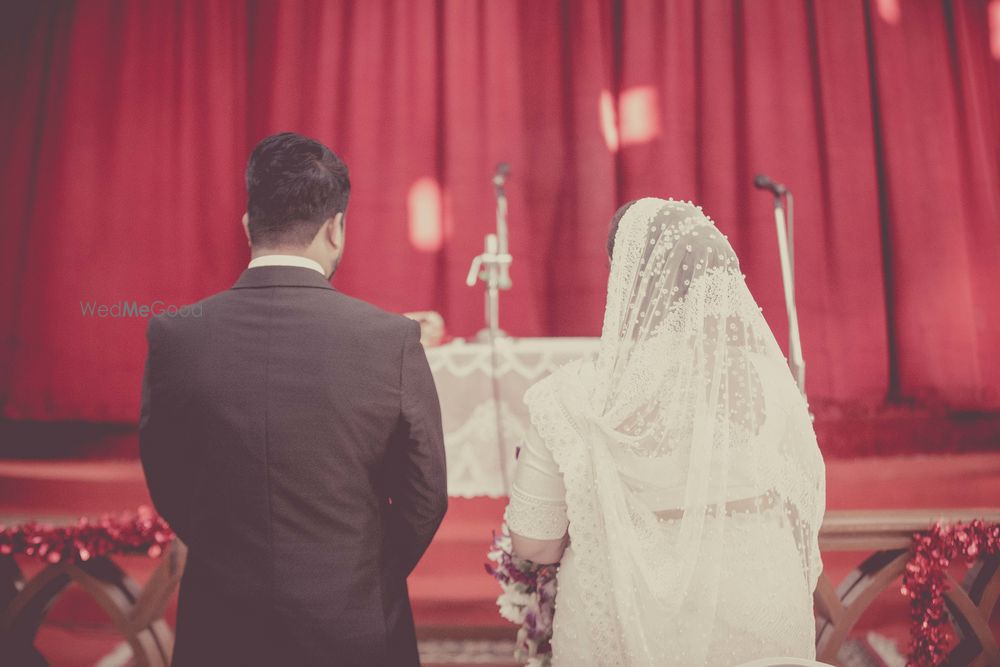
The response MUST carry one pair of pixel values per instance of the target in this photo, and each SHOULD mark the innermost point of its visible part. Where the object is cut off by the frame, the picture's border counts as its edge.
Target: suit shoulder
(169, 319)
(373, 316)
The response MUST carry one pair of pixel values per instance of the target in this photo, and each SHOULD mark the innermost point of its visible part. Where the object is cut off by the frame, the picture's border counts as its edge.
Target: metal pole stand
(796, 362)
(493, 268)
(488, 268)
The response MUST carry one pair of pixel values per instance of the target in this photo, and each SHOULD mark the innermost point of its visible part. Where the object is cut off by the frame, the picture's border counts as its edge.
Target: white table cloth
(481, 455)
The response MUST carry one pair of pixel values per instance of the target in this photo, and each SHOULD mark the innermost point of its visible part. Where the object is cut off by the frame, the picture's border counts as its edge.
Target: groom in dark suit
(291, 435)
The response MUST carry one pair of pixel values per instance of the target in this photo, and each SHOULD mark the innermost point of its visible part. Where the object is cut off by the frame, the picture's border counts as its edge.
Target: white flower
(519, 597)
(510, 609)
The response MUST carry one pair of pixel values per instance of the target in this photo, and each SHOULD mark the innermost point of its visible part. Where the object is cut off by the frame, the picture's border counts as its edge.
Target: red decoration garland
(143, 532)
(924, 583)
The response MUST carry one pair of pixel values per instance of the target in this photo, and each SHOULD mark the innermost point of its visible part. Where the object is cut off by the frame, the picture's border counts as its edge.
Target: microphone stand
(490, 267)
(493, 268)
(786, 249)
(498, 183)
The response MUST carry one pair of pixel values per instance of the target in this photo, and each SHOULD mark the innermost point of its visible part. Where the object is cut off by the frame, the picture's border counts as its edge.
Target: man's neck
(306, 253)
(279, 250)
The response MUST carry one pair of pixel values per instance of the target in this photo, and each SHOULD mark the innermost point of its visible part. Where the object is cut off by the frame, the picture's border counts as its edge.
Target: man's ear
(246, 227)
(335, 230)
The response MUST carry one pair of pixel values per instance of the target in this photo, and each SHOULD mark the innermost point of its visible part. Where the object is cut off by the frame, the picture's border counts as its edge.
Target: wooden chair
(889, 534)
(136, 613)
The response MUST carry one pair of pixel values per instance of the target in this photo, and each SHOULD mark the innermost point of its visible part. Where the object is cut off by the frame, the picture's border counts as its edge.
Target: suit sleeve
(419, 490)
(161, 445)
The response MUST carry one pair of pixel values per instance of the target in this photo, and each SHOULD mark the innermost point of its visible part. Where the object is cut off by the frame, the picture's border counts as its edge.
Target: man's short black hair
(613, 229)
(294, 184)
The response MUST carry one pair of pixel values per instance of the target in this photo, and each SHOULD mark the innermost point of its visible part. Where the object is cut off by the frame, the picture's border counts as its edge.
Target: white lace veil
(685, 436)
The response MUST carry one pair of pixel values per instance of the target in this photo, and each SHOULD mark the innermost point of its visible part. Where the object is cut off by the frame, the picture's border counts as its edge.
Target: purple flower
(528, 592)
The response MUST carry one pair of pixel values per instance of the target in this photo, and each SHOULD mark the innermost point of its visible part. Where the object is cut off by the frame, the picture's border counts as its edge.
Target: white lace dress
(682, 461)
(764, 607)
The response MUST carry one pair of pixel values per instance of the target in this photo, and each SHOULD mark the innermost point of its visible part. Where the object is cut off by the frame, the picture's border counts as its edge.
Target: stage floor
(452, 595)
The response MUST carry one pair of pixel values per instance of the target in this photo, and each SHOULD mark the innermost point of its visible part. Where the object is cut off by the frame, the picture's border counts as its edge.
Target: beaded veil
(683, 438)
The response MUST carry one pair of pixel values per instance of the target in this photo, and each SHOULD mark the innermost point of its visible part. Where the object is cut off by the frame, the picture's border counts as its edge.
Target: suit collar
(281, 276)
(286, 260)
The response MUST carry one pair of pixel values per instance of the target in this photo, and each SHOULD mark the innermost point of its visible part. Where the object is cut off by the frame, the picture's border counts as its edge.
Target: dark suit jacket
(291, 436)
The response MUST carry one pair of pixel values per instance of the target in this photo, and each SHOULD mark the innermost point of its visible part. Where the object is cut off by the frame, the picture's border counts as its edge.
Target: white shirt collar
(287, 260)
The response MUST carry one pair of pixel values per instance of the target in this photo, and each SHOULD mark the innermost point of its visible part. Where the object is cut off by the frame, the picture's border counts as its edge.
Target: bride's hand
(543, 552)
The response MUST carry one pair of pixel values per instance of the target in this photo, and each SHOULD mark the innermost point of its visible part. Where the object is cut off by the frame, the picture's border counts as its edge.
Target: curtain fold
(125, 127)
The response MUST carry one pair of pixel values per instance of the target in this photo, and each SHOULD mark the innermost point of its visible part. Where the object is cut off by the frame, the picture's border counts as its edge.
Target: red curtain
(125, 126)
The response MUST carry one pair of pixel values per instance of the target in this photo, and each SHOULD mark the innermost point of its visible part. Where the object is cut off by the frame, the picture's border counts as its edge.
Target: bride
(675, 475)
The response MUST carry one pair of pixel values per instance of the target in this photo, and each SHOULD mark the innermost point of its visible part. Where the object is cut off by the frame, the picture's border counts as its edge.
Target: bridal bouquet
(528, 598)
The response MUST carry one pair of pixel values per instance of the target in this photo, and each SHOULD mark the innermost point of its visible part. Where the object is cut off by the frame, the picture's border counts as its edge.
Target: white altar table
(475, 446)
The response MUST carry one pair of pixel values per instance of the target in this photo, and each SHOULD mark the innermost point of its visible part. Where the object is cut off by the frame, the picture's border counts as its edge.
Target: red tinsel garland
(142, 532)
(924, 583)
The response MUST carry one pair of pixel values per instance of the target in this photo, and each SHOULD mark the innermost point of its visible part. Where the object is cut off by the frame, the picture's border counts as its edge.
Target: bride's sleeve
(537, 507)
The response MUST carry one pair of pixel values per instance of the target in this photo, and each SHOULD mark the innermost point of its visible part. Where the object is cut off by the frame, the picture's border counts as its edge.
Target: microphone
(501, 174)
(762, 182)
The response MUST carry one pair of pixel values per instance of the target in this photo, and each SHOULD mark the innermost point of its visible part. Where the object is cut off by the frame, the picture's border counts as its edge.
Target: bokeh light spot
(424, 203)
(889, 11)
(609, 120)
(994, 14)
(639, 115)
(635, 119)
